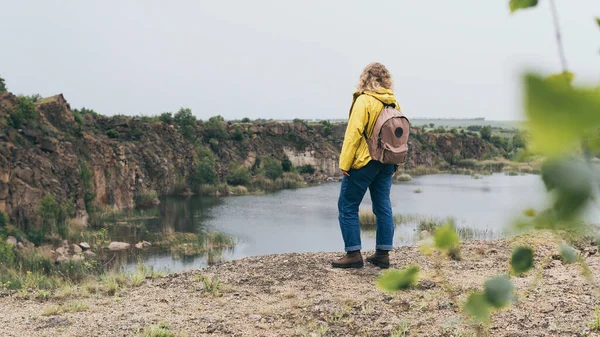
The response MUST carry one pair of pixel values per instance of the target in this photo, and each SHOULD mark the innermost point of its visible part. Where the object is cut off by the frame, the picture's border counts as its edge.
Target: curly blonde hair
(374, 76)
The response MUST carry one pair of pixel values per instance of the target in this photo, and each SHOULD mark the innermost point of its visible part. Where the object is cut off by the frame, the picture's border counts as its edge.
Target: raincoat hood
(383, 95)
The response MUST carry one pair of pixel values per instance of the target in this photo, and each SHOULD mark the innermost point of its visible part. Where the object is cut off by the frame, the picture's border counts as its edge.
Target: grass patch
(403, 177)
(212, 285)
(147, 199)
(367, 220)
(159, 330)
(184, 245)
(70, 307)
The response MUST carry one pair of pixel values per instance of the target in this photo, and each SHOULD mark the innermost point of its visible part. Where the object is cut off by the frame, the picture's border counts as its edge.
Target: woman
(361, 172)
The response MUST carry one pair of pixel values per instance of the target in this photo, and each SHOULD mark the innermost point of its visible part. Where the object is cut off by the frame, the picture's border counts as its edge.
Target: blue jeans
(377, 177)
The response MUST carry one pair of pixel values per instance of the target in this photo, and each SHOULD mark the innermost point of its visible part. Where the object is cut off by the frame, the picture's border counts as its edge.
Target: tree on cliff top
(2, 85)
(187, 123)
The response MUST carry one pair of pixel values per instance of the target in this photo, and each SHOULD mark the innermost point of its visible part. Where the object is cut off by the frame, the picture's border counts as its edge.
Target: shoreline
(299, 294)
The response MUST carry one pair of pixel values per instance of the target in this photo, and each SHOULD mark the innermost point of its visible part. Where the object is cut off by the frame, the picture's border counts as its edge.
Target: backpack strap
(393, 105)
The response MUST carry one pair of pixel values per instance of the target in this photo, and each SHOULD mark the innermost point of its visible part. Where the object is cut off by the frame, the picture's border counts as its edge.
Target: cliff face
(73, 158)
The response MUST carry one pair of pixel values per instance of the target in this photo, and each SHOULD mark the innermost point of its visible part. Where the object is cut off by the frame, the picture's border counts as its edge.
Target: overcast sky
(287, 59)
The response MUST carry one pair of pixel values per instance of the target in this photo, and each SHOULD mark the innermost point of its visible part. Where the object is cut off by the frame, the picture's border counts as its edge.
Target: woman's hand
(345, 173)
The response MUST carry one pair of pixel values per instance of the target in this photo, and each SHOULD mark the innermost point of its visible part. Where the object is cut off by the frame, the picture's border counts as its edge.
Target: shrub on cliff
(112, 134)
(287, 165)
(187, 124)
(306, 169)
(22, 112)
(3, 220)
(238, 175)
(271, 168)
(2, 85)
(215, 128)
(205, 173)
(486, 133)
(166, 117)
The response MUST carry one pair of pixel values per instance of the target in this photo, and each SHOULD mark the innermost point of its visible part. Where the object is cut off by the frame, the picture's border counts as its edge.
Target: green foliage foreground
(564, 125)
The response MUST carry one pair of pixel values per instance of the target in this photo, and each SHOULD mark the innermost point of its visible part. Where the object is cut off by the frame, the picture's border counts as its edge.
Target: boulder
(76, 249)
(62, 259)
(48, 144)
(85, 245)
(77, 257)
(11, 240)
(89, 253)
(61, 250)
(115, 245)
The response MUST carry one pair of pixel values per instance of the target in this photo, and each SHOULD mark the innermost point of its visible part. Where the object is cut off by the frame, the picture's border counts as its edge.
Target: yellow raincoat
(365, 109)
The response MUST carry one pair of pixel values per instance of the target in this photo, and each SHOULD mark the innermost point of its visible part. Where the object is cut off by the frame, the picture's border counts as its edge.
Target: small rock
(20, 245)
(424, 235)
(254, 317)
(76, 249)
(85, 245)
(546, 308)
(89, 253)
(11, 240)
(77, 257)
(146, 243)
(65, 243)
(61, 251)
(139, 245)
(62, 259)
(115, 245)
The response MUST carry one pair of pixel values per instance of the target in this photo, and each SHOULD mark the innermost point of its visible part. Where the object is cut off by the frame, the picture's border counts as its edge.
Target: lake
(305, 220)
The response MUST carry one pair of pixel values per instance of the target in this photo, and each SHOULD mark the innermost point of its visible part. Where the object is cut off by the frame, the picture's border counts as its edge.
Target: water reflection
(305, 220)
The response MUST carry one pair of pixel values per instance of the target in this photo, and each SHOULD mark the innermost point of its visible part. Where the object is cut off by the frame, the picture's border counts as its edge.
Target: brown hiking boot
(381, 259)
(350, 260)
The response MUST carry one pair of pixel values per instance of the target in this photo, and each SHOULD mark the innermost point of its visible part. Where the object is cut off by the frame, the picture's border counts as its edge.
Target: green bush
(167, 118)
(23, 112)
(215, 128)
(246, 120)
(205, 173)
(271, 168)
(112, 133)
(3, 220)
(187, 123)
(238, 175)
(306, 169)
(239, 135)
(486, 133)
(327, 128)
(2, 85)
(287, 165)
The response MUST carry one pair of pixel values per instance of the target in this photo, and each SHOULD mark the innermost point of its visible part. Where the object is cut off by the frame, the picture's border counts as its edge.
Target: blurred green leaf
(498, 291)
(568, 253)
(564, 79)
(598, 21)
(393, 280)
(521, 260)
(515, 5)
(478, 307)
(572, 180)
(530, 212)
(559, 115)
(446, 237)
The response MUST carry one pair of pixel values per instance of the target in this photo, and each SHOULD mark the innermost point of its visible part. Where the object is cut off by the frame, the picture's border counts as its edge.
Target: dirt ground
(301, 295)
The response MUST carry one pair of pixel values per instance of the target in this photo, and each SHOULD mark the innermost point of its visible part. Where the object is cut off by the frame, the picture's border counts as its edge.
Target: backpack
(389, 141)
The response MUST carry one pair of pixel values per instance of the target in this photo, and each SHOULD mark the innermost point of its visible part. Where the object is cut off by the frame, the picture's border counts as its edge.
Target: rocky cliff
(110, 160)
